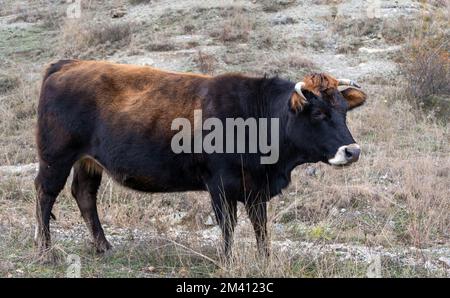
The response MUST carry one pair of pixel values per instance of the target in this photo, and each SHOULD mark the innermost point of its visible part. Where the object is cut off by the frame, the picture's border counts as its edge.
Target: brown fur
(354, 97)
(318, 82)
(324, 83)
(133, 94)
(91, 166)
(297, 102)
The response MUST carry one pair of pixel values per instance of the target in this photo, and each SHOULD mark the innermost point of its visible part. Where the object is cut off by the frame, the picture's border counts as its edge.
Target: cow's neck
(280, 173)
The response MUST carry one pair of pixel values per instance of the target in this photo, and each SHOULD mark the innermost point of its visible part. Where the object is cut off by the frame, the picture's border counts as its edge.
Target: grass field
(392, 206)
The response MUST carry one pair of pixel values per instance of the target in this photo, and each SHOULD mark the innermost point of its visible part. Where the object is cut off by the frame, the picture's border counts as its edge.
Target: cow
(96, 116)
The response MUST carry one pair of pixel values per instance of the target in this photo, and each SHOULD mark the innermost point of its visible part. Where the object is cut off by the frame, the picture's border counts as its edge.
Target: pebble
(445, 261)
(282, 20)
(209, 221)
(311, 171)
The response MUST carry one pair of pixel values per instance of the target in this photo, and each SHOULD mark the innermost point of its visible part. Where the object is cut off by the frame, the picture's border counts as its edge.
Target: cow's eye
(318, 115)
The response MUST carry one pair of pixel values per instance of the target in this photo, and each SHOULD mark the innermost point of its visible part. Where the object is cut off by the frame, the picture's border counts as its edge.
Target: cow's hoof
(102, 246)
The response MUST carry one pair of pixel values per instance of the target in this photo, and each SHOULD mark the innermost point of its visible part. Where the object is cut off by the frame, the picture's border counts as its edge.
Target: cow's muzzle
(346, 155)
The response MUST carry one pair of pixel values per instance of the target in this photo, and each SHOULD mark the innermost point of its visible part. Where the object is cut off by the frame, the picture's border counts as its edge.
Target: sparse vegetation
(393, 203)
(81, 36)
(349, 46)
(157, 42)
(8, 82)
(275, 5)
(50, 16)
(136, 2)
(237, 26)
(205, 63)
(327, 2)
(426, 68)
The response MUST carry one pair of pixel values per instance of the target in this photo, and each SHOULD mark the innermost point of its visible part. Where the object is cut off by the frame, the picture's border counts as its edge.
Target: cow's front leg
(225, 210)
(257, 212)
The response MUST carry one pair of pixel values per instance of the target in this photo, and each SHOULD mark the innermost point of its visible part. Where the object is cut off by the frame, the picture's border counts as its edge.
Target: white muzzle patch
(345, 155)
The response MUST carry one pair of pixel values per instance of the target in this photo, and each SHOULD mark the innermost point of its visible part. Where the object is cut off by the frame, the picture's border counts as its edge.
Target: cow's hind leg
(86, 181)
(49, 182)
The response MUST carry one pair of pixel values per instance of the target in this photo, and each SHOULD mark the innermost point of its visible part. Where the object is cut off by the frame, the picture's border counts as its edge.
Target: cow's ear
(297, 103)
(354, 96)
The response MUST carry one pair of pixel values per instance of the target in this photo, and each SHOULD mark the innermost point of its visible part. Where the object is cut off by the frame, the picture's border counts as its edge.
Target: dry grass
(205, 62)
(426, 64)
(136, 2)
(327, 2)
(274, 6)
(399, 188)
(50, 17)
(48, 14)
(236, 26)
(8, 82)
(157, 42)
(17, 112)
(292, 66)
(357, 27)
(426, 69)
(353, 32)
(81, 37)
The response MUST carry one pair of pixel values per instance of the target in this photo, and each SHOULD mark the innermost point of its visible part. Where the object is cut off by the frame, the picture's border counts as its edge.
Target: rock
(118, 12)
(341, 249)
(311, 171)
(429, 266)
(149, 269)
(379, 50)
(279, 228)
(209, 221)
(282, 20)
(445, 261)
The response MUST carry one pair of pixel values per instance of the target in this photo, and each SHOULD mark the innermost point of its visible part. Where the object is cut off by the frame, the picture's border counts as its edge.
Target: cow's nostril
(348, 153)
(352, 153)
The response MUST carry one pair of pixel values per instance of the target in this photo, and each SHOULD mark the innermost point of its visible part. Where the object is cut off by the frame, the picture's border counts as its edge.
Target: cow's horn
(347, 82)
(298, 89)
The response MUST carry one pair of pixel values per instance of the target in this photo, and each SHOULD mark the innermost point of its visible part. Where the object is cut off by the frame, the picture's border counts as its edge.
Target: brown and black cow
(99, 116)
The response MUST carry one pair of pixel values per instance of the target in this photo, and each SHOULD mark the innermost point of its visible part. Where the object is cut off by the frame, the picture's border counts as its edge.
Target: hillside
(391, 210)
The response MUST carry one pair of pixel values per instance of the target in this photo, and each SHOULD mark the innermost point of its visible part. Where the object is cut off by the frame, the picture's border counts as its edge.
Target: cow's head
(317, 124)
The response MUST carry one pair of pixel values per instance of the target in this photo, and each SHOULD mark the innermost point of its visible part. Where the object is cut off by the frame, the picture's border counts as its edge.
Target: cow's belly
(152, 174)
(155, 184)
(144, 162)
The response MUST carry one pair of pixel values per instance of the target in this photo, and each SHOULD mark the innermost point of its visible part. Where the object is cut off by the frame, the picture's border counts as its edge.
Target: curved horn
(298, 89)
(347, 82)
